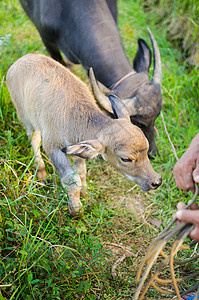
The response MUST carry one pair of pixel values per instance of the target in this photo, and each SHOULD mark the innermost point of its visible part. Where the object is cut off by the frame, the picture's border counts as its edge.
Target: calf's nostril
(156, 184)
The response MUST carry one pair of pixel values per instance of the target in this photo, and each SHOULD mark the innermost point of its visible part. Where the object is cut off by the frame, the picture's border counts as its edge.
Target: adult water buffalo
(86, 32)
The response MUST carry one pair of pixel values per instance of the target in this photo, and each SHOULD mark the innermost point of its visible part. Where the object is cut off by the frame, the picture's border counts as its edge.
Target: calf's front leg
(79, 164)
(70, 179)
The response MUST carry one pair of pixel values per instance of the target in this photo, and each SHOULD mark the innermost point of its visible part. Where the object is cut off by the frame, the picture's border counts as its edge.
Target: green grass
(180, 19)
(45, 254)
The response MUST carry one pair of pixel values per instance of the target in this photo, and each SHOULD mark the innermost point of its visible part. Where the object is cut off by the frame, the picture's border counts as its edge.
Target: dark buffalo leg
(54, 52)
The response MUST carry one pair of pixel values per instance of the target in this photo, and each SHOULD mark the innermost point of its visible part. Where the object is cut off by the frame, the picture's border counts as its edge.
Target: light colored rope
(165, 128)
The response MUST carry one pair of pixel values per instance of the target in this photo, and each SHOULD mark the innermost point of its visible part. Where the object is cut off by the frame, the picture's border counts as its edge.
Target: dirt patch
(133, 203)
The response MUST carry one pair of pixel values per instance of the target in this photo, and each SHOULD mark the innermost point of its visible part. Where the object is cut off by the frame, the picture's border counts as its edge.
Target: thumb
(188, 216)
(196, 172)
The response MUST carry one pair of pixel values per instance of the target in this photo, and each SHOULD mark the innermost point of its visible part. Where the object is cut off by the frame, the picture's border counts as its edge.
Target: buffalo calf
(57, 106)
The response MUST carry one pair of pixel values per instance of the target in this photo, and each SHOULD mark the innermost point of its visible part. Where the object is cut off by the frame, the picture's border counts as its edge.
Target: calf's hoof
(84, 194)
(75, 211)
(41, 174)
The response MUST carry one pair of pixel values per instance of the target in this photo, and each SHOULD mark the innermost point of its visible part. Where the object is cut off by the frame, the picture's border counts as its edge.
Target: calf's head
(124, 146)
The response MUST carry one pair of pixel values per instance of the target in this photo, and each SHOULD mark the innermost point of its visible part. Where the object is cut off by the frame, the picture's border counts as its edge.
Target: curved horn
(101, 99)
(157, 73)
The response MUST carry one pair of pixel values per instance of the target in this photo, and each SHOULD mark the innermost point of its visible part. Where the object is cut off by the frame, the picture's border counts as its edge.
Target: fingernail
(179, 214)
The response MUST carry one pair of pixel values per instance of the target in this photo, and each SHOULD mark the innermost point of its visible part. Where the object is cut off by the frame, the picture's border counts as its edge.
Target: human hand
(189, 216)
(186, 170)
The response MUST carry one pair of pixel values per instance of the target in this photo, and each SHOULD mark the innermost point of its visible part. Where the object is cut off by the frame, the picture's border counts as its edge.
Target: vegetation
(180, 19)
(45, 254)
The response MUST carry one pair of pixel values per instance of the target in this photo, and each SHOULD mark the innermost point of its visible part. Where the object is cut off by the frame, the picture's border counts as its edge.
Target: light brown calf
(57, 106)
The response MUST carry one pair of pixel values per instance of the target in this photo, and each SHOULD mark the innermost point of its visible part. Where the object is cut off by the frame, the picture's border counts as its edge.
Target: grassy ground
(180, 19)
(45, 254)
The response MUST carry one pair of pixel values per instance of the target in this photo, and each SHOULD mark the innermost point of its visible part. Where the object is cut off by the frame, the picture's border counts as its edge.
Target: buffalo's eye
(126, 159)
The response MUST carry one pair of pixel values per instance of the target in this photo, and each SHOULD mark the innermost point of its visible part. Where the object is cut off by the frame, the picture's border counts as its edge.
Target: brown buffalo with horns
(86, 32)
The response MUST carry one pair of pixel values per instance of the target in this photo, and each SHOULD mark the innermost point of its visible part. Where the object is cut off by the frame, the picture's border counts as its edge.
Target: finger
(194, 234)
(177, 221)
(188, 216)
(183, 174)
(178, 173)
(184, 181)
(189, 183)
(179, 180)
(196, 172)
(181, 205)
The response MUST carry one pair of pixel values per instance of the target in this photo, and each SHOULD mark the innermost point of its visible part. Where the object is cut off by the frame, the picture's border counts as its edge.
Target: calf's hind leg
(36, 142)
(70, 180)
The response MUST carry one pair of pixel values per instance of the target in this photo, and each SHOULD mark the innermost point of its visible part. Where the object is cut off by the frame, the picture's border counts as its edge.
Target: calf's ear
(119, 108)
(85, 149)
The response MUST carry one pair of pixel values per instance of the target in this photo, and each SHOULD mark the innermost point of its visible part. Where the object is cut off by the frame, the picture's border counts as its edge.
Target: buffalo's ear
(142, 60)
(119, 108)
(85, 149)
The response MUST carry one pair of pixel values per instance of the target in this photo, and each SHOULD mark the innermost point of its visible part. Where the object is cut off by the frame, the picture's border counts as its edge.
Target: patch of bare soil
(127, 234)
(132, 239)
(133, 203)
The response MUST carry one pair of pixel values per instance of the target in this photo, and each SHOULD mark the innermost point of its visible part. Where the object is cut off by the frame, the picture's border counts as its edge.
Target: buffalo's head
(141, 95)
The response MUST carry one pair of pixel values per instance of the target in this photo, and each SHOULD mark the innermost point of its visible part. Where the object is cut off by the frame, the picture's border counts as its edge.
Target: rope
(165, 128)
(114, 85)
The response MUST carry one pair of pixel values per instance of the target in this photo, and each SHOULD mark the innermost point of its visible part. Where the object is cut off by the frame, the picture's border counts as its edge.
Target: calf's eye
(126, 159)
